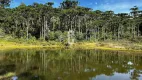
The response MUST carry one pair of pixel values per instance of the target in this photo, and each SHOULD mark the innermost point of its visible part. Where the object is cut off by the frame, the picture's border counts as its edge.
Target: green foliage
(58, 36)
(65, 37)
(79, 36)
(51, 36)
(2, 33)
(4, 3)
(42, 21)
(67, 4)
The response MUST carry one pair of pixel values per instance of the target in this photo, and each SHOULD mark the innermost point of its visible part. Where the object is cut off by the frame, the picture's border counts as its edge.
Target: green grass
(18, 43)
(107, 45)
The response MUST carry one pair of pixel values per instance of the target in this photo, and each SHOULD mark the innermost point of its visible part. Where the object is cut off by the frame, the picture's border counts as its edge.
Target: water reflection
(14, 78)
(71, 65)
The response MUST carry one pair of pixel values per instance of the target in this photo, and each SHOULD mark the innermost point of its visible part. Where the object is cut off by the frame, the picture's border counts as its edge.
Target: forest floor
(105, 45)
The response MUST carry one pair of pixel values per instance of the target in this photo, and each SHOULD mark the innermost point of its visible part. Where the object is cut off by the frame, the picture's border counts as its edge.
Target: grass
(122, 45)
(110, 45)
(6, 44)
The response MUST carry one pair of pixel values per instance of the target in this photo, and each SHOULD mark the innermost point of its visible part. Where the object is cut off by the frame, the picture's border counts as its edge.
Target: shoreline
(79, 45)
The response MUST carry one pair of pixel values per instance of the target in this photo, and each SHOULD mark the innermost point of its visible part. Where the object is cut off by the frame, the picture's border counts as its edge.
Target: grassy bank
(6, 44)
(121, 45)
(106, 45)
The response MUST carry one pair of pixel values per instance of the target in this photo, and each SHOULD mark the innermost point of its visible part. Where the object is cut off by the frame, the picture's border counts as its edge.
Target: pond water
(71, 65)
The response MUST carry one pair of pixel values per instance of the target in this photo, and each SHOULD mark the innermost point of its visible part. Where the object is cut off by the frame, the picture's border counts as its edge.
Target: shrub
(1, 33)
(79, 36)
(58, 35)
(51, 36)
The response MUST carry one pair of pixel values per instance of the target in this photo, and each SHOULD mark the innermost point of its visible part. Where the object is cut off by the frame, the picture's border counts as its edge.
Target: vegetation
(44, 23)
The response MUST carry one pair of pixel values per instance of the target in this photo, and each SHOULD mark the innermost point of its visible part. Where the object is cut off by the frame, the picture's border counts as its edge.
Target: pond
(71, 65)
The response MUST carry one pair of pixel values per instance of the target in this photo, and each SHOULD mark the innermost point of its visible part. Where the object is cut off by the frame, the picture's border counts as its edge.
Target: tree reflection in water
(71, 64)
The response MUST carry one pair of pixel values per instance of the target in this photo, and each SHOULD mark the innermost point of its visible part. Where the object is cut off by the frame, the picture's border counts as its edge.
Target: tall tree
(4, 3)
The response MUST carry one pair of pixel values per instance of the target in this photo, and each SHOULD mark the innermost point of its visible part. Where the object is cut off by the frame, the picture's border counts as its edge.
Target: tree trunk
(138, 30)
(27, 23)
(118, 36)
(79, 25)
(44, 29)
(86, 29)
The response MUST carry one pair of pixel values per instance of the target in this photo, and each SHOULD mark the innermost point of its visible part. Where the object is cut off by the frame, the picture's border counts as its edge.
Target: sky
(118, 6)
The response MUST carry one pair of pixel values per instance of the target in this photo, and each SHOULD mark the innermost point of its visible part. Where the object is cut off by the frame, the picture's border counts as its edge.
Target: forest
(69, 42)
(46, 23)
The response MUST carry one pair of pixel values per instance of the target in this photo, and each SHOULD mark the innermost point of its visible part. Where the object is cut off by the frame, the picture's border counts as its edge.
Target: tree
(134, 11)
(4, 3)
(50, 4)
(67, 4)
(40, 20)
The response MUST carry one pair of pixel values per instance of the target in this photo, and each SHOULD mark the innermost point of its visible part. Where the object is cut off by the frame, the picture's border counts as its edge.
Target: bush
(79, 36)
(51, 36)
(58, 35)
(137, 39)
(64, 37)
(1, 33)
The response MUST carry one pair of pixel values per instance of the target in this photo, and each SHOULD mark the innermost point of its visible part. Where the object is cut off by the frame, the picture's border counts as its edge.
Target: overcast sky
(118, 6)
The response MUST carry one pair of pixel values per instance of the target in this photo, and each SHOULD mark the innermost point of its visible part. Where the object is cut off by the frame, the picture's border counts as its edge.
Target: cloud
(14, 4)
(118, 7)
(90, 3)
(56, 4)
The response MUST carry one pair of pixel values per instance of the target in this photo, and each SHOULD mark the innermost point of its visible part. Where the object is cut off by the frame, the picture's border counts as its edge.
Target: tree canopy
(4, 3)
(43, 21)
